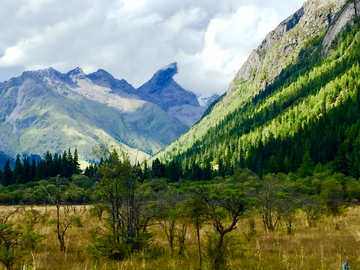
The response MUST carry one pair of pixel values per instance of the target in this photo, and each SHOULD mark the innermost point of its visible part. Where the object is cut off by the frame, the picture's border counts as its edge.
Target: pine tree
(48, 165)
(70, 168)
(33, 170)
(40, 172)
(8, 177)
(57, 164)
(18, 171)
(64, 165)
(307, 166)
(158, 169)
(76, 164)
(174, 171)
(27, 170)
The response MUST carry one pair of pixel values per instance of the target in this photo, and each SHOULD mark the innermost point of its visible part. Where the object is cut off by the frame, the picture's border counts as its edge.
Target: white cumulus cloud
(132, 39)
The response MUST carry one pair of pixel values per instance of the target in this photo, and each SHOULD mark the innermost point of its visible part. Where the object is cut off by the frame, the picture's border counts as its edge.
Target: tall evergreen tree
(18, 171)
(48, 165)
(27, 170)
(33, 170)
(57, 164)
(76, 164)
(8, 177)
(64, 165)
(307, 166)
(40, 172)
(158, 169)
(70, 165)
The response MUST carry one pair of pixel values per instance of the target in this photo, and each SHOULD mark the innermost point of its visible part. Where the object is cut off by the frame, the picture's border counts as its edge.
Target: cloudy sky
(132, 39)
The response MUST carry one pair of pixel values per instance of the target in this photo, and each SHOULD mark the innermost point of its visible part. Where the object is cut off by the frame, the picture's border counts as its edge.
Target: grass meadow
(331, 241)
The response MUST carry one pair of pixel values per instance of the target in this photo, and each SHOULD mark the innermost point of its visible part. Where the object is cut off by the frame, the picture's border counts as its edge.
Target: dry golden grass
(319, 247)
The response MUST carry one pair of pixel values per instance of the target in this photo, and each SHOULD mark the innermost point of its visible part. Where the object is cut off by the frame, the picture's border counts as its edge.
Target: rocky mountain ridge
(272, 55)
(46, 110)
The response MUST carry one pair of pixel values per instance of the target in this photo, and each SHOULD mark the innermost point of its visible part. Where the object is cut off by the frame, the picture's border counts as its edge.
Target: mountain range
(46, 110)
(297, 95)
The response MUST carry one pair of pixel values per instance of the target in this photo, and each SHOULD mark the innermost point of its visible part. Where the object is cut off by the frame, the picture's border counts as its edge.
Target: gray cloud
(209, 39)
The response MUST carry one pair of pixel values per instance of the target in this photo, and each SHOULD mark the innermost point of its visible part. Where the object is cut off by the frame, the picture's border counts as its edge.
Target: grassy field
(331, 241)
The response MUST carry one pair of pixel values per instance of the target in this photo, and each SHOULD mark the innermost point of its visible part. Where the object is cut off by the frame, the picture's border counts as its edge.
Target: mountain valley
(46, 110)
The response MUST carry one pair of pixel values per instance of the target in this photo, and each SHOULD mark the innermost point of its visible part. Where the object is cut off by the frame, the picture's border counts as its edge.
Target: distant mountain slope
(161, 90)
(4, 158)
(297, 92)
(46, 110)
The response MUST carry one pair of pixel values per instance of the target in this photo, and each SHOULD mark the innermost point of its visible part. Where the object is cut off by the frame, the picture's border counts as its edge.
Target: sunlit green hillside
(268, 122)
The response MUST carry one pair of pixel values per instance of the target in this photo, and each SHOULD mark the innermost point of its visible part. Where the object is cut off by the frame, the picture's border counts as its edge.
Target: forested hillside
(271, 123)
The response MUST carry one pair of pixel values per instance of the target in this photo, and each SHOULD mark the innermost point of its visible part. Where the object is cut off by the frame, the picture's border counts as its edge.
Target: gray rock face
(254, 60)
(162, 90)
(339, 23)
(312, 18)
(105, 79)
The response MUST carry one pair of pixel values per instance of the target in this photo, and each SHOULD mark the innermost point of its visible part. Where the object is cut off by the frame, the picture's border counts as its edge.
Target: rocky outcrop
(338, 24)
(274, 53)
(165, 92)
(162, 90)
(105, 79)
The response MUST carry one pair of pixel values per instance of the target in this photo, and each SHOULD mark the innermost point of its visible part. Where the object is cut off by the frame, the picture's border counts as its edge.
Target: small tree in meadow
(222, 201)
(63, 221)
(118, 189)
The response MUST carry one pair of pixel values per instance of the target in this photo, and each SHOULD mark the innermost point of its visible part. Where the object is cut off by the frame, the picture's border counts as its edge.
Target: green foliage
(310, 110)
(49, 166)
(119, 193)
(108, 246)
(217, 256)
(15, 244)
(97, 210)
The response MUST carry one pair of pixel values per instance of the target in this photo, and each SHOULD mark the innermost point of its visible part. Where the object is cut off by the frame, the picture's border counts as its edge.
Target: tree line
(27, 170)
(312, 106)
(128, 199)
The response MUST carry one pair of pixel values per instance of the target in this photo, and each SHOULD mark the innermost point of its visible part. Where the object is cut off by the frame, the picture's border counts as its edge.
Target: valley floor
(331, 241)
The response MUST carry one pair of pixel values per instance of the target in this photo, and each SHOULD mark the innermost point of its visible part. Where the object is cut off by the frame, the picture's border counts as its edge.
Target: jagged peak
(106, 79)
(41, 73)
(164, 76)
(101, 73)
(172, 66)
(77, 73)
